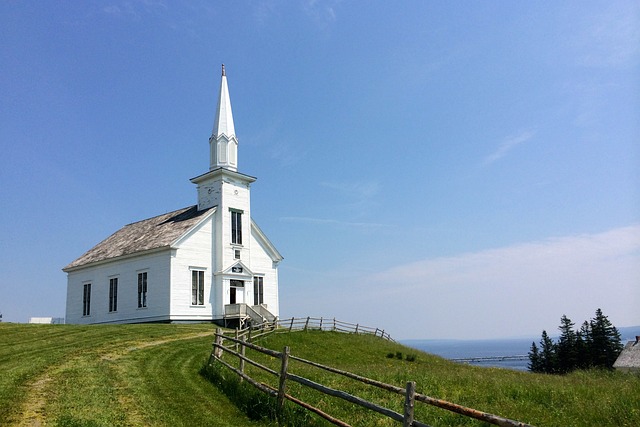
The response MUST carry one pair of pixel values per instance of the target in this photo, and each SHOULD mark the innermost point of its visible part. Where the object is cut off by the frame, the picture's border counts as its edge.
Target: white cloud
(334, 222)
(512, 291)
(360, 190)
(508, 144)
(610, 38)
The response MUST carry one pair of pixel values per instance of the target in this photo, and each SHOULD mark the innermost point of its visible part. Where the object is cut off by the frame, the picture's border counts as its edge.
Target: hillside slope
(117, 375)
(149, 375)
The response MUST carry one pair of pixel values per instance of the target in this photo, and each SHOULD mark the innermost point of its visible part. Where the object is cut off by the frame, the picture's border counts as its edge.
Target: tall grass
(593, 398)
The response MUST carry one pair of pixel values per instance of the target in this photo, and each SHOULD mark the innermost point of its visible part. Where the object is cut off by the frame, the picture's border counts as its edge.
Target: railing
(265, 313)
(257, 313)
(322, 324)
(240, 343)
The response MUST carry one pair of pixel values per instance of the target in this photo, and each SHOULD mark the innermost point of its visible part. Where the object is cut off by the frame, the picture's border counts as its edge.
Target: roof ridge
(166, 213)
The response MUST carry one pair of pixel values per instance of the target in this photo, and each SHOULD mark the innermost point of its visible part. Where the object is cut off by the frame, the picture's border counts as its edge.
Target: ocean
(458, 349)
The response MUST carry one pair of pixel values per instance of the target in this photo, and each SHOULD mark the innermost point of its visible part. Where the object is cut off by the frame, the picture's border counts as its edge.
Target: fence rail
(239, 342)
(324, 324)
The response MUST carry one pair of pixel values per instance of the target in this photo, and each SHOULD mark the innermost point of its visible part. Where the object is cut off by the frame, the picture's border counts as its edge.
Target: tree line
(596, 344)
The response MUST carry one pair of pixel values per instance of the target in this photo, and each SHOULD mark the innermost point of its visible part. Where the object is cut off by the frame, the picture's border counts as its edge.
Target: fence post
(291, 326)
(283, 379)
(375, 334)
(306, 324)
(357, 328)
(242, 350)
(218, 347)
(321, 323)
(334, 323)
(237, 336)
(409, 401)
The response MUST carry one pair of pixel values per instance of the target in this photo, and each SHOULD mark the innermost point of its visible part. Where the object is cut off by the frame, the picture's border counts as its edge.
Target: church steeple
(223, 143)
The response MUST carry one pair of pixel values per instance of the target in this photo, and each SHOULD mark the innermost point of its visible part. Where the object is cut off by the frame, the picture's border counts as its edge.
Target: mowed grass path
(115, 375)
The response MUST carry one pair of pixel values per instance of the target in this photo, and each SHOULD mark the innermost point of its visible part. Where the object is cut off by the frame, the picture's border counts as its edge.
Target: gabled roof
(153, 233)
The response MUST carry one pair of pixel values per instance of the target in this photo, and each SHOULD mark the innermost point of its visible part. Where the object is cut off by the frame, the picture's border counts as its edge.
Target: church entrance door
(236, 292)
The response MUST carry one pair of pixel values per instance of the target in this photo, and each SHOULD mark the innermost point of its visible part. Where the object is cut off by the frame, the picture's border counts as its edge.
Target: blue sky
(435, 169)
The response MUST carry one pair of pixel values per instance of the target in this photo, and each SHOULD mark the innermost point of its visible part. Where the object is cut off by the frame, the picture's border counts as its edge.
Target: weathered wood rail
(239, 342)
(323, 324)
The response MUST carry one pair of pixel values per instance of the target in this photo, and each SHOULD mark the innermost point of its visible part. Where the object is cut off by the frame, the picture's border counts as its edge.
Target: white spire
(224, 117)
(223, 142)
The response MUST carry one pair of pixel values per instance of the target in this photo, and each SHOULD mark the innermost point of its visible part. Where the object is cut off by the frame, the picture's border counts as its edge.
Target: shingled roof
(629, 359)
(153, 233)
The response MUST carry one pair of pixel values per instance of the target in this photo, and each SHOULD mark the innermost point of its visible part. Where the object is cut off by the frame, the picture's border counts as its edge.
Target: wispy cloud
(507, 145)
(610, 38)
(516, 290)
(322, 12)
(360, 190)
(505, 291)
(334, 222)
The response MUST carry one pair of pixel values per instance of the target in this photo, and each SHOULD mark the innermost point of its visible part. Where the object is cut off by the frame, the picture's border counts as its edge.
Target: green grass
(117, 375)
(134, 375)
(596, 398)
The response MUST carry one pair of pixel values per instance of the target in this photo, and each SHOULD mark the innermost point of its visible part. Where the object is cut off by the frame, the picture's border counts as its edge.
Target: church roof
(153, 233)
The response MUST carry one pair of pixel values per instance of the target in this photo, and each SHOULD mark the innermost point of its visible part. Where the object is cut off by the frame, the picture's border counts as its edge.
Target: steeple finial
(223, 73)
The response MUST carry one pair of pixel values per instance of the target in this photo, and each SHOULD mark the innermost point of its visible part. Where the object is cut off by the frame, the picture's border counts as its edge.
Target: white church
(207, 262)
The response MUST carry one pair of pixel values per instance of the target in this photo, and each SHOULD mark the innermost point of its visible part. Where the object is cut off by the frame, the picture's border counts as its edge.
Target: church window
(236, 254)
(113, 294)
(86, 299)
(236, 227)
(258, 290)
(197, 287)
(142, 289)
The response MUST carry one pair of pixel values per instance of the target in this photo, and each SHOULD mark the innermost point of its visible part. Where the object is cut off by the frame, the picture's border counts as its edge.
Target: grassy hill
(149, 375)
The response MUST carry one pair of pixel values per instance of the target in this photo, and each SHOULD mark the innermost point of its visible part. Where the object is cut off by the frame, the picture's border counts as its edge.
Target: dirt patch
(32, 413)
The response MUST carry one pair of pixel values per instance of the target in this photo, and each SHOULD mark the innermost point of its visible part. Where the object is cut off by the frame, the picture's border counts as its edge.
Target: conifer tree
(566, 349)
(548, 360)
(596, 345)
(583, 346)
(606, 343)
(534, 359)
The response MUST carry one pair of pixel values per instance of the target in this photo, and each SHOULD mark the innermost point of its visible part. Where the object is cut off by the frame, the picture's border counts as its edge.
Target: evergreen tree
(566, 349)
(534, 359)
(548, 359)
(583, 345)
(606, 343)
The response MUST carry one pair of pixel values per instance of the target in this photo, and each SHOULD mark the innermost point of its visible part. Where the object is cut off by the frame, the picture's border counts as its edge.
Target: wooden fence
(320, 323)
(240, 340)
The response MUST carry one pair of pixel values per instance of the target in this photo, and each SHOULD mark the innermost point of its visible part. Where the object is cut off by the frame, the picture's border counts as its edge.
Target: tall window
(113, 294)
(86, 300)
(142, 289)
(258, 290)
(197, 287)
(236, 227)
